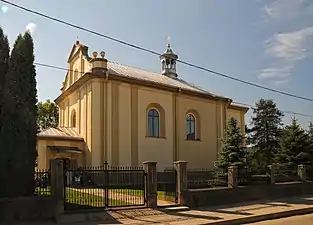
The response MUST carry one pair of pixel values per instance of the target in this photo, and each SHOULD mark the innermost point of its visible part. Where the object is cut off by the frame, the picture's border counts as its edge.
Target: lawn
(138, 193)
(78, 199)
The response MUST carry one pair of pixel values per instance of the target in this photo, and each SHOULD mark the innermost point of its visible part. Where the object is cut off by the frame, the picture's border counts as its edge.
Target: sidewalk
(239, 214)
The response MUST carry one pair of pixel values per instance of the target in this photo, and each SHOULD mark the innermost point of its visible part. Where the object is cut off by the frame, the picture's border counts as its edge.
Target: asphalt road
(295, 220)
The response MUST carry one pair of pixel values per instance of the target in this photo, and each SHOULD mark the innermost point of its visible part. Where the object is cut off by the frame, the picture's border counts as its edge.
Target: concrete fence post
(182, 180)
(232, 176)
(271, 173)
(302, 172)
(57, 187)
(151, 184)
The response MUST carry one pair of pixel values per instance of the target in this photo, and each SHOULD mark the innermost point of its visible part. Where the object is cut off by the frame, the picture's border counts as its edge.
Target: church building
(124, 116)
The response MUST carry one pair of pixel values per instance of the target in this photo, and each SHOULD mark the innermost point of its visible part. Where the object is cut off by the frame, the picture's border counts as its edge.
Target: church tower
(168, 62)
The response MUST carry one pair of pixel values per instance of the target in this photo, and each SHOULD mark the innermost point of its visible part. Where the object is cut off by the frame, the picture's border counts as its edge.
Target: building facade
(124, 115)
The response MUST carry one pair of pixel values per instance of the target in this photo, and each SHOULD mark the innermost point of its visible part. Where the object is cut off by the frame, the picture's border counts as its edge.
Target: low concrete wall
(26, 208)
(229, 196)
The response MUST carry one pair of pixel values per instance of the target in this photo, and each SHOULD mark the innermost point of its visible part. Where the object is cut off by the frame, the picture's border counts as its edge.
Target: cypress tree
(19, 115)
(4, 59)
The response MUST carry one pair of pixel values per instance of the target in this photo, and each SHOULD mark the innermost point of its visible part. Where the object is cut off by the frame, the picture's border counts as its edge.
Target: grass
(79, 199)
(139, 193)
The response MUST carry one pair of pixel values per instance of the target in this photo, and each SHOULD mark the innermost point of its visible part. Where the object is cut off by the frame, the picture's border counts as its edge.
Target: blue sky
(269, 42)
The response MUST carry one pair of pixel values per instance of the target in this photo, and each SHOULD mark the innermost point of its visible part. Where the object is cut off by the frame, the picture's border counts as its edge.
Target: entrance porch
(60, 143)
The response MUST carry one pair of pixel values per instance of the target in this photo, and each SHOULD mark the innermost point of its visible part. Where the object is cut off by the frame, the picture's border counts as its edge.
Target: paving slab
(236, 214)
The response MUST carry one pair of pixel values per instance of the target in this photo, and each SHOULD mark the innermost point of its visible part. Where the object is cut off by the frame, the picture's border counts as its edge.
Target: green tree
(266, 131)
(4, 63)
(294, 145)
(47, 115)
(4, 59)
(233, 151)
(19, 111)
(310, 139)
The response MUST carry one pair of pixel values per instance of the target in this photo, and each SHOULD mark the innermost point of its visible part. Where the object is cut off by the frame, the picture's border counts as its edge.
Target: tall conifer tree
(266, 131)
(233, 152)
(4, 60)
(294, 145)
(19, 114)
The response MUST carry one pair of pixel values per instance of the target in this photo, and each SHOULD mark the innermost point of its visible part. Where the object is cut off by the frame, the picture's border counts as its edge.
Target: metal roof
(63, 132)
(140, 74)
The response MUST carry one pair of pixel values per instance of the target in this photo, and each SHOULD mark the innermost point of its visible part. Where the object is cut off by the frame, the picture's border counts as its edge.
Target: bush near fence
(309, 172)
(248, 176)
(210, 178)
(206, 178)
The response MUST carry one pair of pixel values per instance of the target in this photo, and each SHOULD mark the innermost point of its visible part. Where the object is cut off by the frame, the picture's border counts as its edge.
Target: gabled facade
(125, 115)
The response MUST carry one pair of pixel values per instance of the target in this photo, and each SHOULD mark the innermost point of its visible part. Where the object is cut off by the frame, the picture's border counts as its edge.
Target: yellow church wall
(112, 118)
(95, 127)
(124, 124)
(150, 148)
(239, 115)
(198, 153)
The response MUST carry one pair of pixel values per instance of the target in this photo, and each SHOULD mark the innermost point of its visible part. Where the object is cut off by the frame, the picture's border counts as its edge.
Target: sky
(268, 42)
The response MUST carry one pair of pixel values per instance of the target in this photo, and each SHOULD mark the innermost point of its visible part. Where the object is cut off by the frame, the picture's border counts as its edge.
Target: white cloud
(286, 49)
(288, 9)
(31, 27)
(290, 46)
(4, 9)
(276, 73)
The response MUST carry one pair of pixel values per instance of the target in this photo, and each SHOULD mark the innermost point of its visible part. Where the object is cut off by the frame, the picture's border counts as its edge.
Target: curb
(254, 219)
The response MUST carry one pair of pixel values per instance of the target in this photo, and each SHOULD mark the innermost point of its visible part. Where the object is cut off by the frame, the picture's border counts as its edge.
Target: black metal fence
(42, 180)
(248, 176)
(104, 187)
(309, 172)
(206, 178)
(167, 185)
(286, 173)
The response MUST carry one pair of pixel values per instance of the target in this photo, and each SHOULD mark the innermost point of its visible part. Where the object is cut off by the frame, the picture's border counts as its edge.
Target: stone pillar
(232, 176)
(151, 184)
(57, 187)
(302, 172)
(271, 173)
(182, 181)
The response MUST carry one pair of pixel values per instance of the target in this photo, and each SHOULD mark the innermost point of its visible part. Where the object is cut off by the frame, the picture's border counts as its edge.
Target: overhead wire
(239, 103)
(284, 111)
(154, 52)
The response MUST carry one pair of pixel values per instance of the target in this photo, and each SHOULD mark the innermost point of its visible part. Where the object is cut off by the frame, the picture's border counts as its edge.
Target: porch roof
(60, 133)
(69, 149)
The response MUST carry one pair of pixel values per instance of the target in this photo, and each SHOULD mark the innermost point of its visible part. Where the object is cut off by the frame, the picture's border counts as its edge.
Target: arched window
(190, 127)
(193, 125)
(153, 123)
(73, 119)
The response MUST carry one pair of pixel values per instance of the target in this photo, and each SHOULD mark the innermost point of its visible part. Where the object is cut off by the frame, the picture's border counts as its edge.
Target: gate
(167, 185)
(103, 187)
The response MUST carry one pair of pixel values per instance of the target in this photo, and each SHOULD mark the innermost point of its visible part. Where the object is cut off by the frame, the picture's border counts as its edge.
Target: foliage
(233, 152)
(310, 139)
(4, 59)
(47, 115)
(19, 128)
(266, 131)
(294, 145)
